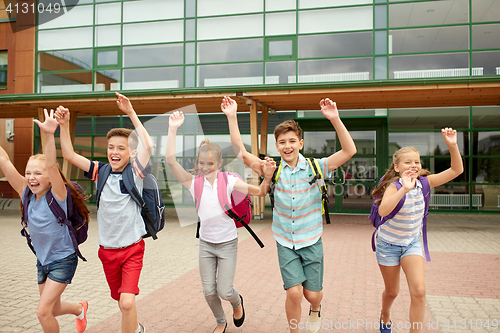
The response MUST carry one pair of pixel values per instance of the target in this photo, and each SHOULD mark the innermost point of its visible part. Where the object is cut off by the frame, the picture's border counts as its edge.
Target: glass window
(334, 70)
(224, 7)
(336, 45)
(281, 23)
(65, 39)
(319, 143)
(430, 39)
(106, 80)
(485, 10)
(154, 32)
(108, 35)
(486, 143)
(381, 17)
(280, 48)
(485, 36)
(486, 63)
(153, 78)
(279, 72)
(76, 16)
(3, 68)
(330, 3)
(487, 169)
(381, 42)
(230, 75)
(65, 82)
(427, 143)
(341, 19)
(105, 58)
(108, 13)
(454, 197)
(151, 10)
(428, 118)
(153, 55)
(240, 26)
(272, 5)
(190, 53)
(189, 77)
(190, 29)
(486, 116)
(429, 65)
(428, 13)
(65, 60)
(489, 196)
(440, 164)
(380, 68)
(190, 8)
(231, 50)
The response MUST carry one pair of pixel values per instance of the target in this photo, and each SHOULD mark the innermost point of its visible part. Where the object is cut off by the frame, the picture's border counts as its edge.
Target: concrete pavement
(463, 289)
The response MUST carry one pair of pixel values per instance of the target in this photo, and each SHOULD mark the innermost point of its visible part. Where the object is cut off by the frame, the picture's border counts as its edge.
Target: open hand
(229, 106)
(329, 108)
(50, 124)
(124, 104)
(409, 179)
(176, 119)
(449, 136)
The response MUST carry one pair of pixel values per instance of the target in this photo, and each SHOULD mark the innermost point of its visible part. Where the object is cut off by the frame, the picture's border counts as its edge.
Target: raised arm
(175, 120)
(456, 168)
(330, 111)
(268, 165)
(15, 179)
(144, 154)
(230, 107)
(392, 195)
(48, 128)
(63, 116)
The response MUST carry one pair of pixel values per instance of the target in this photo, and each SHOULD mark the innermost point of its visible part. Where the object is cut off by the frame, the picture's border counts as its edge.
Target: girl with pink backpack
(218, 234)
(398, 238)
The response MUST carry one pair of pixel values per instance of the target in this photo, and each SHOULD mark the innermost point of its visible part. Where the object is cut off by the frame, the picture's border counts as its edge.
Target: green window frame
(3, 69)
(107, 50)
(270, 41)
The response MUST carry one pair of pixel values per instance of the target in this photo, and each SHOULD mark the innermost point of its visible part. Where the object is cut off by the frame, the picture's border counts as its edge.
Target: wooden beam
(264, 125)
(254, 135)
(68, 167)
(41, 118)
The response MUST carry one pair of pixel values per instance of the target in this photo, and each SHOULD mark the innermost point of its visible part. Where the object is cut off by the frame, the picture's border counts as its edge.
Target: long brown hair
(77, 196)
(391, 175)
(213, 149)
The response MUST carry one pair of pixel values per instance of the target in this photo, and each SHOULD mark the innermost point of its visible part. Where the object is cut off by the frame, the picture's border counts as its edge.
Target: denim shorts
(303, 266)
(61, 271)
(390, 255)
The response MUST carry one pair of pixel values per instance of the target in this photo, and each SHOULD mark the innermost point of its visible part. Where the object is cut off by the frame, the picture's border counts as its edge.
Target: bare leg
(391, 275)
(413, 266)
(293, 308)
(129, 313)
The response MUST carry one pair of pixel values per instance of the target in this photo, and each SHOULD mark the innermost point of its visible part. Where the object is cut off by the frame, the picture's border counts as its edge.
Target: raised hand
(329, 109)
(62, 115)
(50, 124)
(449, 136)
(409, 179)
(229, 106)
(124, 104)
(176, 119)
(268, 166)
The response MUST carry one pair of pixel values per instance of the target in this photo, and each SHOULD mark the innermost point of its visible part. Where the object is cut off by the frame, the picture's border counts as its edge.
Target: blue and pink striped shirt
(297, 218)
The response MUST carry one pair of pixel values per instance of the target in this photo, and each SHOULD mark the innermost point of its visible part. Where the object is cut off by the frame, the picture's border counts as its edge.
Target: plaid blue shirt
(297, 218)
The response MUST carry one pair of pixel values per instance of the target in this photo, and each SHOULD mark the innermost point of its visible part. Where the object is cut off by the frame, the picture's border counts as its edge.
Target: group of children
(297, 218)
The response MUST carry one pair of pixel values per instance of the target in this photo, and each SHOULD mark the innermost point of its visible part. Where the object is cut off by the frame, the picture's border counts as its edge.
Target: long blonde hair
(391, 175)
(207, 147)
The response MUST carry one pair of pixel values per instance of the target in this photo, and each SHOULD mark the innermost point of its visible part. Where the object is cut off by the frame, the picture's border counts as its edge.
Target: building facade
(283, 55)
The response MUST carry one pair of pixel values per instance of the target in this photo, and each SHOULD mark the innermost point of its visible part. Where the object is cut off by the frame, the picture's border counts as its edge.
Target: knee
(391, 293)
(126, 304)
(418, 293)
(295, 294)
(225, 294)
(43, 312)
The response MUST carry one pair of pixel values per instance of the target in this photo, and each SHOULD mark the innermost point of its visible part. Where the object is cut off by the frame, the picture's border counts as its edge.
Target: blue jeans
(217, 269)
(390, 255)
(61, 271)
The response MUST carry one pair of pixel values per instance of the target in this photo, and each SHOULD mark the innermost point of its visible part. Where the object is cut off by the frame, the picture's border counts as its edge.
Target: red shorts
(122, 268)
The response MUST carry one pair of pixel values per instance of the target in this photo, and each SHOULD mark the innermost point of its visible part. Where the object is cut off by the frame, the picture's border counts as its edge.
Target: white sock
(81, 314)
(138, 330)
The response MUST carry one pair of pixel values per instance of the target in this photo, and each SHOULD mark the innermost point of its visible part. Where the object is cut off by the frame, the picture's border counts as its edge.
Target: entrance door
(351, 184)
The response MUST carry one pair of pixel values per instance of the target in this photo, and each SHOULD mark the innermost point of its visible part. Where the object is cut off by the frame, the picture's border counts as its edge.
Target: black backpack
(153, 208)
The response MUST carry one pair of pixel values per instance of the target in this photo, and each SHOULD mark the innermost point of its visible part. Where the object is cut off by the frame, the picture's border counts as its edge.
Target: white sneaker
(313, 322)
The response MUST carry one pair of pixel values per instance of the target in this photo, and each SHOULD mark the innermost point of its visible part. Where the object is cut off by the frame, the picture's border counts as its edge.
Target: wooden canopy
(361, 97)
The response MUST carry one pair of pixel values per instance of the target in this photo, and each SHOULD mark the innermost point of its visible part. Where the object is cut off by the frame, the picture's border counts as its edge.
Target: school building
(398, 70)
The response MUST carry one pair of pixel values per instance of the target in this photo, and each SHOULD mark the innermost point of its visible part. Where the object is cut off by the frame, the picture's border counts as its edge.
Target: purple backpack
(239, 209)
(77, 224)
(377, 220)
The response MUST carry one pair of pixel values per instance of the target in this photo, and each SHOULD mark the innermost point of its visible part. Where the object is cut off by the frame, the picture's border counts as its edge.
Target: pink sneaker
(81, 324)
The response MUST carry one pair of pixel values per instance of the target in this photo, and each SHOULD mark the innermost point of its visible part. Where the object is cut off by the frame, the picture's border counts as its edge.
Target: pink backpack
(239, 209)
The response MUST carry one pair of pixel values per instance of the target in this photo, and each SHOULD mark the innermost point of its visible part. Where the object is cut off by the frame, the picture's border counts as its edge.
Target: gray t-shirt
(119, 217)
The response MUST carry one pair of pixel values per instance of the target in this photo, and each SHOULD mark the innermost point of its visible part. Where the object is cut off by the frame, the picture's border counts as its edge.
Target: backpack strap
(227, 207)
(26, 200)
(62, 218)
(274, 180)
(426, 191)
(128, 181)
(392, 213)
(102, 175)
(318, 176)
